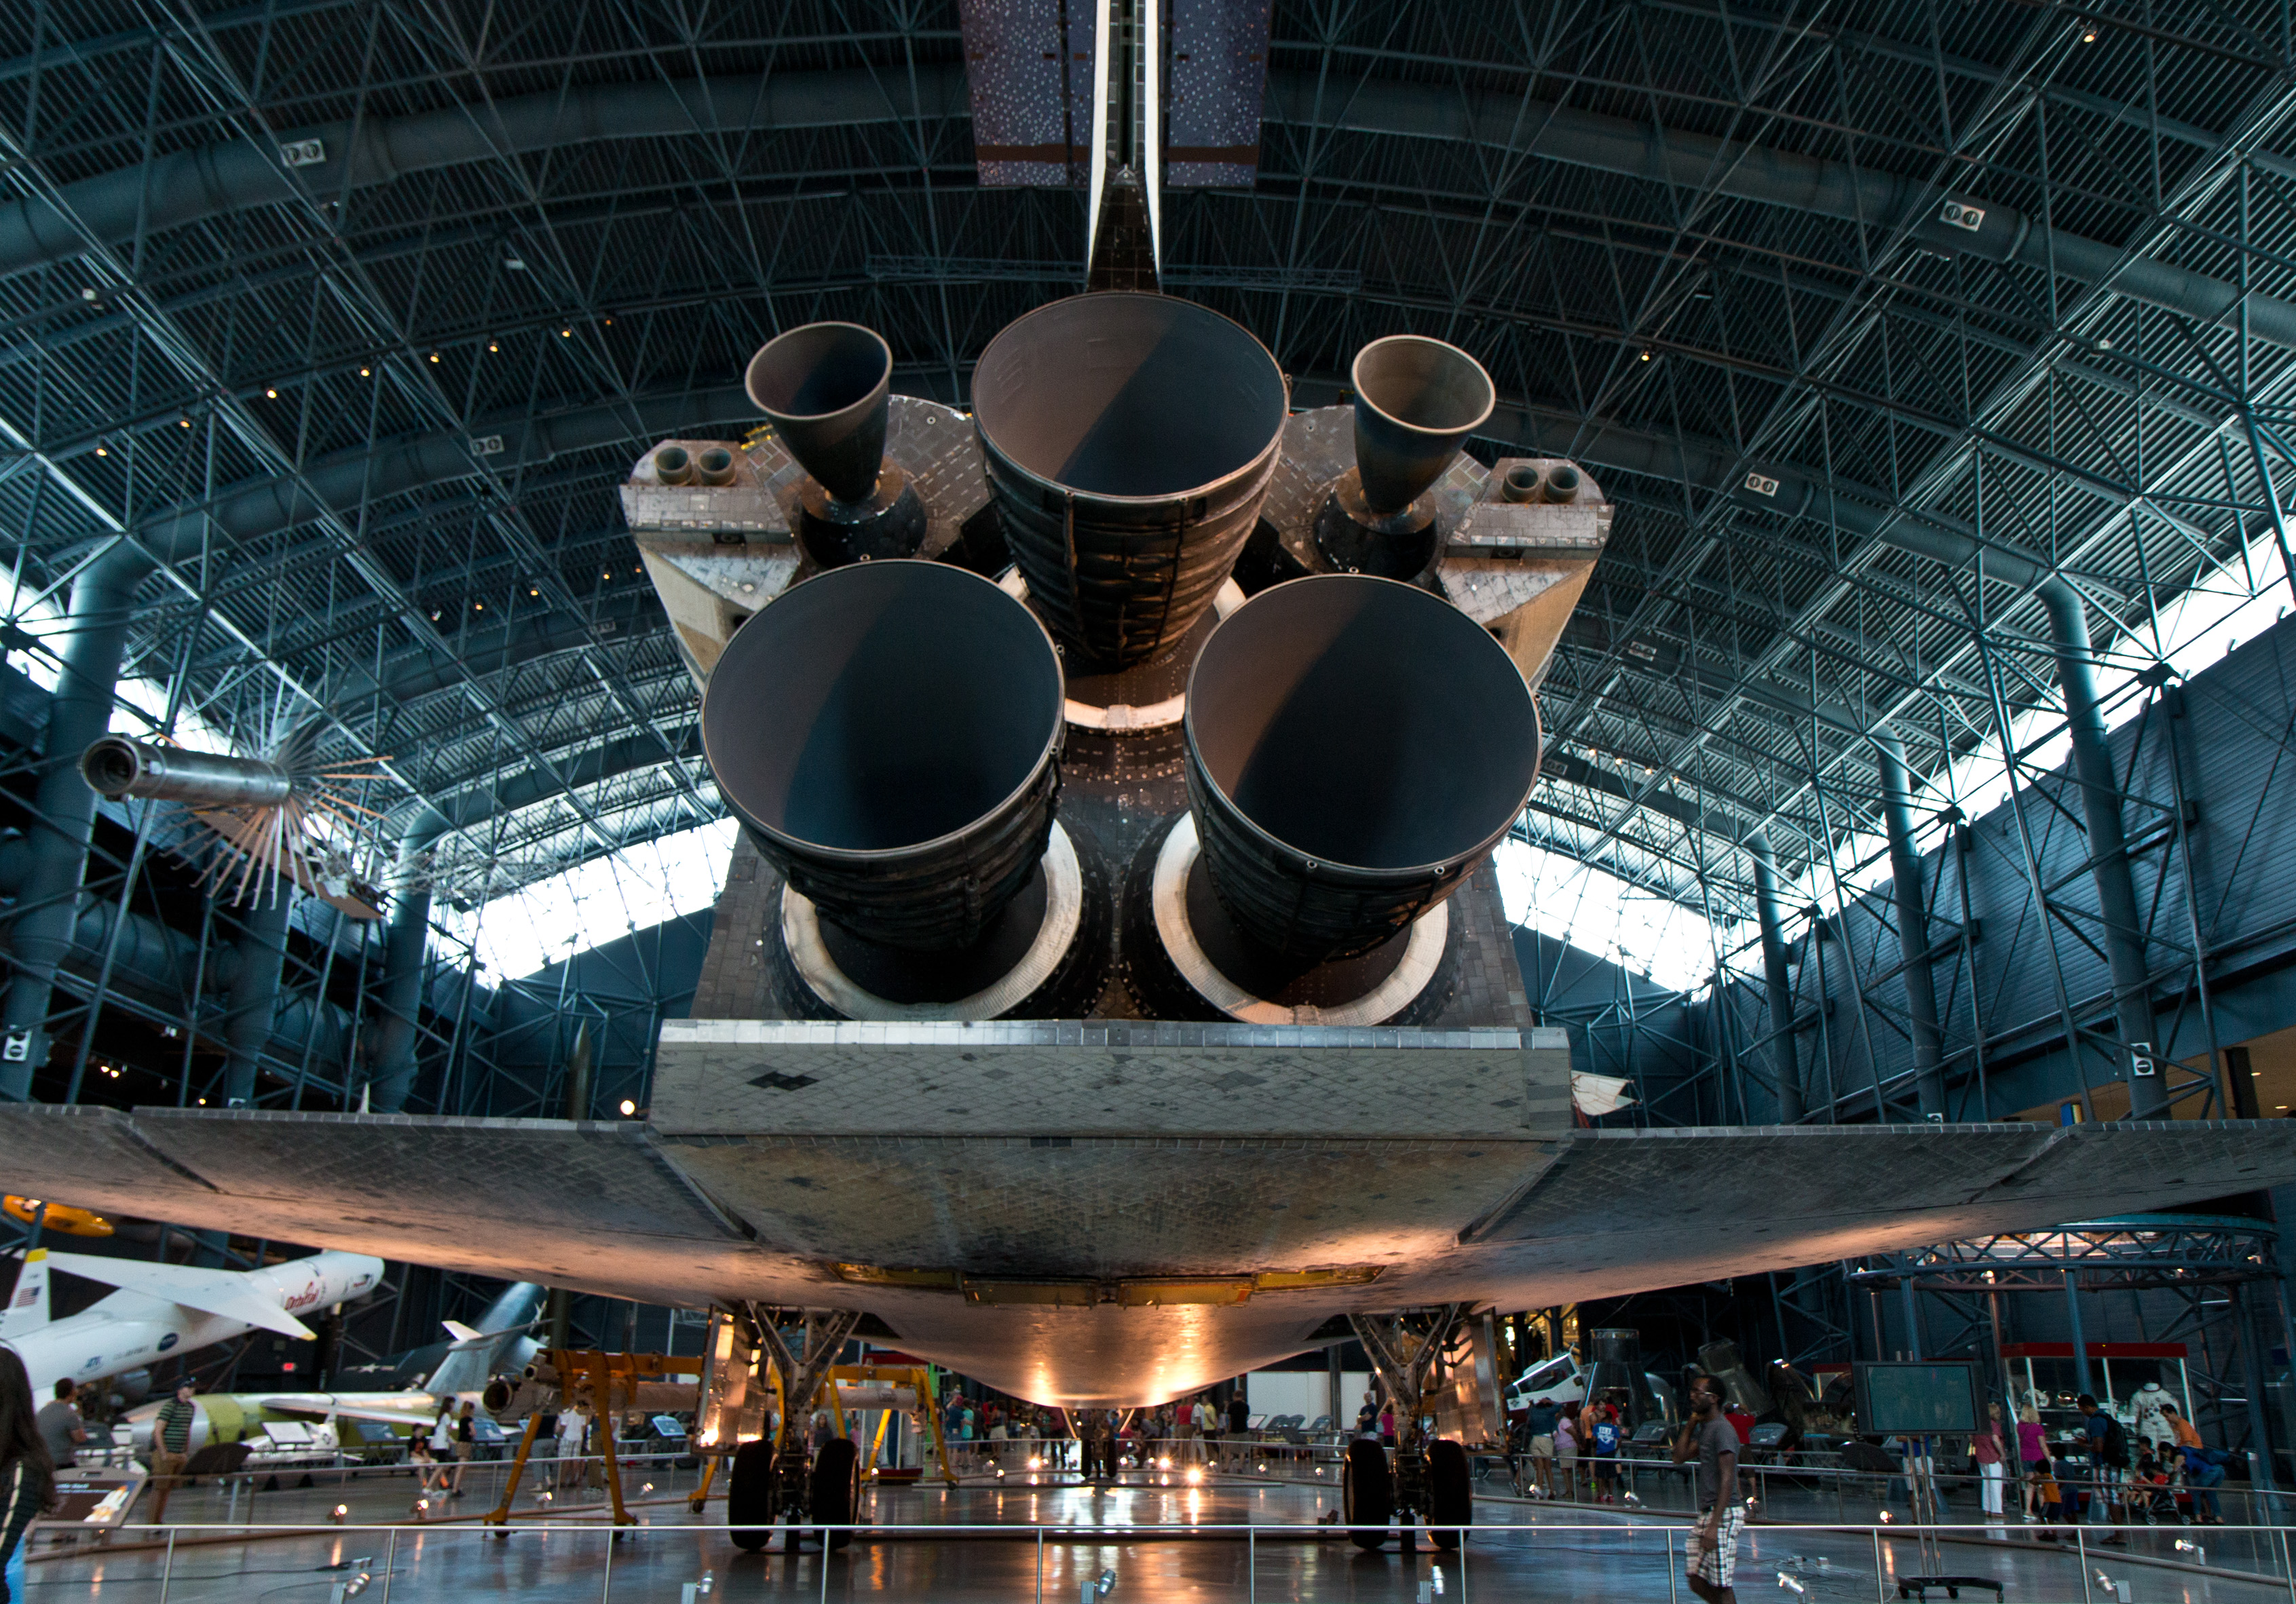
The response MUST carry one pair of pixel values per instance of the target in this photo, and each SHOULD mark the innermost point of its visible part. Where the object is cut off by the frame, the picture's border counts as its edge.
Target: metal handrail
(1045, 1534)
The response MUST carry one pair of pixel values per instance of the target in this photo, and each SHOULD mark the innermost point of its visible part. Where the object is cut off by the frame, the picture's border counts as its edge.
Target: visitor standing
(27, 1479)
(1711, 1556)
(171, 1445)
(2108, 1460)
(61, 1427)
(2032, 1455)
(1566, 1450)
(1606, 1439)
(1544, 1416)
(1990, 1449)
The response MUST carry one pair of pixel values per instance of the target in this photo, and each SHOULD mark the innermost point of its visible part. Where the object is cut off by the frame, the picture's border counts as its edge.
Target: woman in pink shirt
(2032, 1451)
(1566, 1450)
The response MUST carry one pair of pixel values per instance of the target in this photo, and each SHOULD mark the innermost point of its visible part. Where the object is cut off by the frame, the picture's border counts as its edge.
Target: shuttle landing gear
(1429, 1477)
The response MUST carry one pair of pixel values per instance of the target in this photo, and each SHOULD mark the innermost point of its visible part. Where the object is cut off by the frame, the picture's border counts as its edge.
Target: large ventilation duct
(64, 807)
(2123, 926)
(391, 1036)
(1777, 982)
(254, 994)
(1913, 930)
(887, 733)
(116, 766)
(1354, 748)
(1129, 441)
(827, 389)
(1416, 402)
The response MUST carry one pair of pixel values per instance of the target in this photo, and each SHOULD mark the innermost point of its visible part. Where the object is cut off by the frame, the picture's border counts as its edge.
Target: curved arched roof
(373, 405)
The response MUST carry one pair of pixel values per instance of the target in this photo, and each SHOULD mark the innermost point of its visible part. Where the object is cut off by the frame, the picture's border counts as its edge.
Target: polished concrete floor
(1525, 1552)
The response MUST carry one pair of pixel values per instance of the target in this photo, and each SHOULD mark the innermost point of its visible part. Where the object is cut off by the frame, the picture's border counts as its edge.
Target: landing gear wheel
(1366, 1494)
(836, 1490)
(1450, 1491)
(752, 1495)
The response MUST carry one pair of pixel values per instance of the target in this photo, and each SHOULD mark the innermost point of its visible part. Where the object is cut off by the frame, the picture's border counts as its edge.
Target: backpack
(2115, 1446)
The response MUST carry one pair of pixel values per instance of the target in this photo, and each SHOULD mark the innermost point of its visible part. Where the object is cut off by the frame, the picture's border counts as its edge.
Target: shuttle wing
(1194, 1257)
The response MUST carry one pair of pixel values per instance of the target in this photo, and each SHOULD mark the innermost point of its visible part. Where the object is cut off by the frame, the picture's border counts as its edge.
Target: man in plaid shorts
(1711, 1555)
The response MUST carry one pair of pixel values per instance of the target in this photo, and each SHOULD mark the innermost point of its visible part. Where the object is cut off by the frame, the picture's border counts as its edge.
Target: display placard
(1918, 1397)
(94, 1500)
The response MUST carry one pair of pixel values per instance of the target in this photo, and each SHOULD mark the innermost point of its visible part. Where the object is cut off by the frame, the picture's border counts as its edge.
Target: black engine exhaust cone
(888, 733)
(1129, 441)
(1416, 402)
(1354, 745)
(826, 388)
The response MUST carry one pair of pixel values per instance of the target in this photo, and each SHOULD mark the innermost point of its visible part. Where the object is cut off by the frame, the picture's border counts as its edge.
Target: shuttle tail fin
(27, 1304)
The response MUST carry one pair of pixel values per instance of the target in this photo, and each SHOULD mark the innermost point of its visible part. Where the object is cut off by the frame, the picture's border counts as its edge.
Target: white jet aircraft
(166, 1309)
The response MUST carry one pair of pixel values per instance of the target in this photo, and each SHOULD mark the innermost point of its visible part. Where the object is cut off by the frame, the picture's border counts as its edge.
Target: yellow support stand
(501, 1515)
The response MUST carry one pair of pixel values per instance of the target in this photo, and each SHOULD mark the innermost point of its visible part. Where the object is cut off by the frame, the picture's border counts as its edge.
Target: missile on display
(116, 766)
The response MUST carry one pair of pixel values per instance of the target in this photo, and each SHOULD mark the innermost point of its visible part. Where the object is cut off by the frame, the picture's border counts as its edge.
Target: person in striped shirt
(171, 1445)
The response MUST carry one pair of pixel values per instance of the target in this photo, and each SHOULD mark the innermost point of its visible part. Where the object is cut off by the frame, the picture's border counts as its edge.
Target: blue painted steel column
(65, 808)
(254, 998)
(1785, 1062)
(399, 1005)
(2080, 1343)
(2116, 888)
(1913, 928)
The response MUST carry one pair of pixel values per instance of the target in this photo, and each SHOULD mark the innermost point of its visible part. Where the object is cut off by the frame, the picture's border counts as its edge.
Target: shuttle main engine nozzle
(1416, 402)
(115, 767)
(1129, 441)
(1355, 747)
(826, 388)
(887, 733)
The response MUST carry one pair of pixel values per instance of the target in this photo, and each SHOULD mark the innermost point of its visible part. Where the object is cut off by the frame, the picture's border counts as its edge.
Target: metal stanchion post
(167, 1565)
(389, 1564)
(1040, 1565)
(2080, 1547)
(1673, 1588)
(612, 1534)
(1251, 1568)
(1881, 1588)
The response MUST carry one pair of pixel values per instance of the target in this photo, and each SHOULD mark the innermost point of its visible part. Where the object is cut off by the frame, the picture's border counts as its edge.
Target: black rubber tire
(1450, 1491)
(750, 1491)
(835, 1489)
(1366, 1494)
